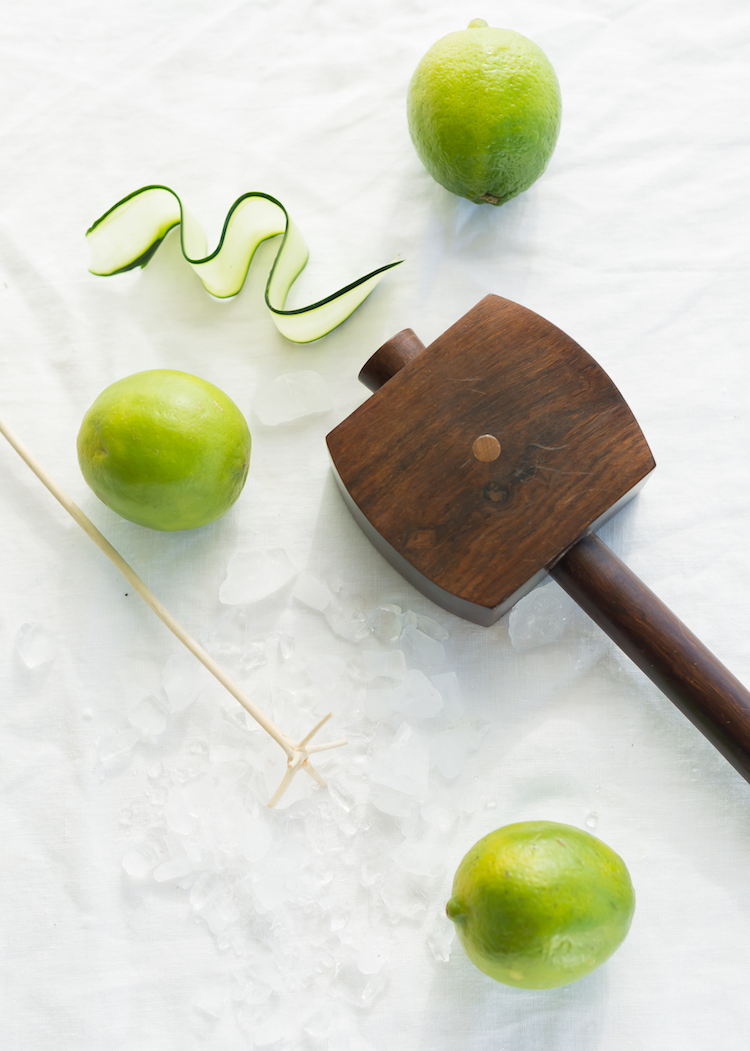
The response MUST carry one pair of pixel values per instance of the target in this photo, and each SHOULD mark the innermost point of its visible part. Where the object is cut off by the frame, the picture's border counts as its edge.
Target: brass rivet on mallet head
(486, 448)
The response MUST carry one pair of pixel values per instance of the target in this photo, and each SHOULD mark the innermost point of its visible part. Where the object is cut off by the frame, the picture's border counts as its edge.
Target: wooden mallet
(487, 461)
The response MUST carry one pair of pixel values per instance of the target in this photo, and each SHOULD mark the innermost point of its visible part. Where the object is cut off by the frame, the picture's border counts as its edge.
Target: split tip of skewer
(298, 759)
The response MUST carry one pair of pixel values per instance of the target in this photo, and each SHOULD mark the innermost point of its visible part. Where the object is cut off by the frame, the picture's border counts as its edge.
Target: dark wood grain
(482, 531)
(489, 458)
(661, 645)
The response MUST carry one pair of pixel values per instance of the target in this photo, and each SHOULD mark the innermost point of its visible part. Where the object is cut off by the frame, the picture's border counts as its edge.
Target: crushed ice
(311, 898)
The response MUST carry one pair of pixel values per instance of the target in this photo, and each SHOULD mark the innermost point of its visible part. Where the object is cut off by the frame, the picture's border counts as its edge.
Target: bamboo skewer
(297, 752)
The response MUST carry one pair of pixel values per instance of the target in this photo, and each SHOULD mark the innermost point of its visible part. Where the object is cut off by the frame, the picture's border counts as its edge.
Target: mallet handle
(660, 644)
(389, 359)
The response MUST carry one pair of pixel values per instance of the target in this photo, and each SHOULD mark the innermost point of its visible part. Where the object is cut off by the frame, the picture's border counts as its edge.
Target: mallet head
(481, 459)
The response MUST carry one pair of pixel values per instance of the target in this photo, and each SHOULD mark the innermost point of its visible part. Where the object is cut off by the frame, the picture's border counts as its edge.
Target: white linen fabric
(635, 243)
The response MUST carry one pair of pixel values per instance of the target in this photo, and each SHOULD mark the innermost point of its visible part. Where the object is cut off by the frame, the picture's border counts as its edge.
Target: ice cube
(409, 824)
(286, 644)
(312, 592)
(440, 935)
(357, 988)
(385, 664)
(431, 627)
(336, 583)
(202, 890)
(175, 868)
(292, 396)
(325, 670)
(402, 896)
(341, 794)
(317, 1029)
(415, 695)
(405, 765)
(228, 742)
(181, 680)
(220, 911)
(268, 888)
(35, 645)
(346, 619)
(451, 747)
(378, 704)
(385, 623)
(540, 618)
(255, 655)
(438, 810)
(427, 856)
(227, 637)
(447, 686)
(177, 813)
(137, 863)
(421, 647)
(247, 1019)
(211, 1002)
(254, 575)
(257, 840)
(197, 795)
(339, 919)
(114, 745)
(148, 716)
(293, 677)
(391, 801)
(373, 870)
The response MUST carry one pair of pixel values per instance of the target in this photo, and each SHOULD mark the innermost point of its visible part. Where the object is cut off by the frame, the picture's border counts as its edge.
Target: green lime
(539, 904)
(484, 112)
(165, 449)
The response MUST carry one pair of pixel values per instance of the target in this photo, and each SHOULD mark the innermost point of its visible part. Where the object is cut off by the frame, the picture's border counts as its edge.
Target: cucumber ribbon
(131, 231)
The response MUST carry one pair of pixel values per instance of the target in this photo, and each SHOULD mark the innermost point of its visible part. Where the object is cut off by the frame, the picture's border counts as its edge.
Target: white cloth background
(634, 242)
